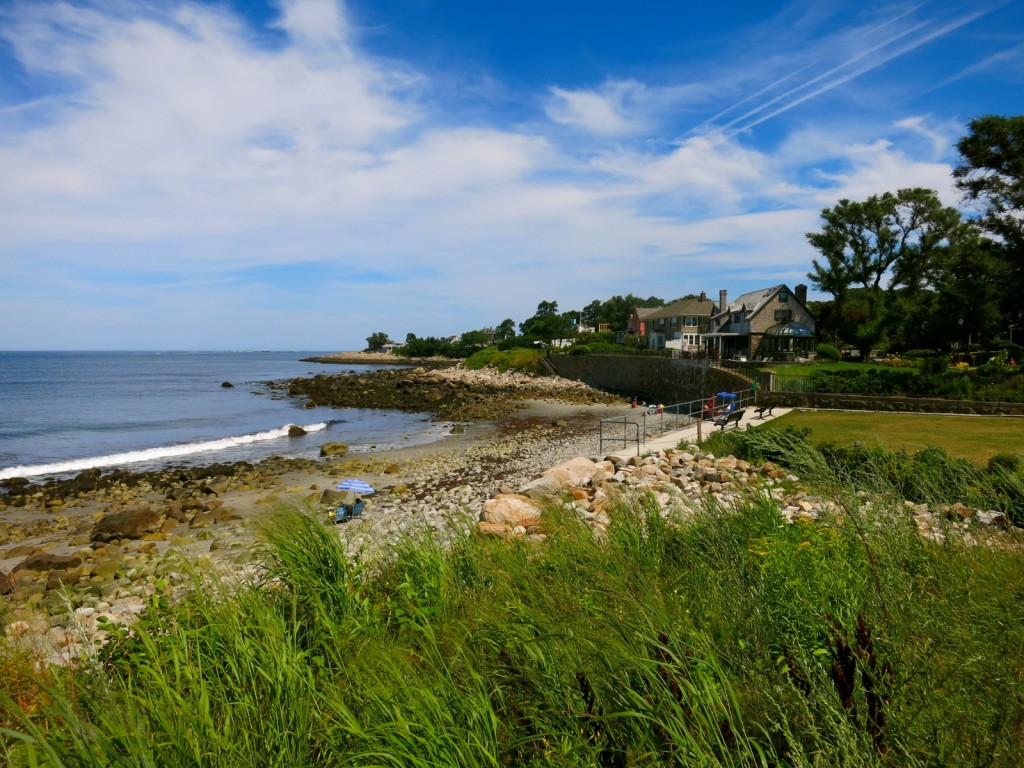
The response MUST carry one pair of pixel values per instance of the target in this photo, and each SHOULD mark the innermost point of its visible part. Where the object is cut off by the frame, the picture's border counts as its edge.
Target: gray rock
(130, 524)
(47, 561)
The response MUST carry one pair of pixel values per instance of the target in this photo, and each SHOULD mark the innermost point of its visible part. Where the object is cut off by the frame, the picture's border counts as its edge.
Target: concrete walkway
(670, 437)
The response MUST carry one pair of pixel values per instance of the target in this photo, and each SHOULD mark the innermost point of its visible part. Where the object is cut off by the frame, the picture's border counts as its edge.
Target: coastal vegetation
(525, 360)
(928, 475)
(718, 637)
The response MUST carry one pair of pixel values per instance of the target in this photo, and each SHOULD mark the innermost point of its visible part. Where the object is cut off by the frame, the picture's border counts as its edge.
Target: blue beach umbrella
(356, 486)
(730, 395)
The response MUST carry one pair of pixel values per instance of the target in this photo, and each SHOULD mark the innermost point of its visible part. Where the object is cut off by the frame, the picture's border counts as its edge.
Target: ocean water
(63, 412)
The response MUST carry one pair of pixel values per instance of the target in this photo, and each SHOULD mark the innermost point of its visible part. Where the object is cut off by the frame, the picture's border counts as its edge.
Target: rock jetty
(453, 394)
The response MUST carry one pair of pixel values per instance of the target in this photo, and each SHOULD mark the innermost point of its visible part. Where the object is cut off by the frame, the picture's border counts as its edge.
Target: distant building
(637, 323)
(679, 325)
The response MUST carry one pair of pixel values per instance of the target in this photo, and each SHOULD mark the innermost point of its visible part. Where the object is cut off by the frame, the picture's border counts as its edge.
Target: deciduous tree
(991, 176)
(877, 246)
(506, 329)
(376, 341)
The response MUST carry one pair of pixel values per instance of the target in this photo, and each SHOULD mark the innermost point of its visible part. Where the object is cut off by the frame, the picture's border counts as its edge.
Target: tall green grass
(725, 639)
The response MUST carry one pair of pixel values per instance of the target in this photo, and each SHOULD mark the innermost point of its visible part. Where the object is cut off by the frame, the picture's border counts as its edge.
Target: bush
(520, 342)
(1008, 461)
(828, 352)
(933, 364)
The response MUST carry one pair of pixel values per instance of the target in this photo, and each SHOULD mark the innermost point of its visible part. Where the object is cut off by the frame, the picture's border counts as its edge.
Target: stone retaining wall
(654, 379)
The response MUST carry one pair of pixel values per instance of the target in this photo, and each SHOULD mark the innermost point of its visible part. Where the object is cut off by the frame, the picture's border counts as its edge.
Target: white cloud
(313, 21)
(614, 110)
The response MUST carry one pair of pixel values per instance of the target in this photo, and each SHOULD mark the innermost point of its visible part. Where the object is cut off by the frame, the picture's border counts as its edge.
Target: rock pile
(680, 480)
(677, 480)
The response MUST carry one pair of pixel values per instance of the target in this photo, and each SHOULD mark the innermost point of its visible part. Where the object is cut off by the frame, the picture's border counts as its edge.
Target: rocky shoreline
(96, 547)
(77, 554)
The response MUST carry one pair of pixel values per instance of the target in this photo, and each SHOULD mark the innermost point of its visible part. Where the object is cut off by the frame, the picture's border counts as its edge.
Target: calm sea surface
(62, 412)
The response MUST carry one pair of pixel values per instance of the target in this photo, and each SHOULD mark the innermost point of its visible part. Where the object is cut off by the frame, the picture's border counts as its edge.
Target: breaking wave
(153, 454)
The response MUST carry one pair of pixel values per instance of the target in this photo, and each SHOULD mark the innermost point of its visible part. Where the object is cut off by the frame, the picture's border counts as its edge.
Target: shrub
(933, 364)
(1010, 461)
(829, 352)
(517, 359)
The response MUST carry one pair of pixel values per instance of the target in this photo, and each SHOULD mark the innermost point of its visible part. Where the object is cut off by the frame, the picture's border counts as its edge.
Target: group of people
(652, 408)
(710, 412)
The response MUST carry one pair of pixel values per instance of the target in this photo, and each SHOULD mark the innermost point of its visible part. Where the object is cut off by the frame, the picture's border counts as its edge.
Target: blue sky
(298, 174)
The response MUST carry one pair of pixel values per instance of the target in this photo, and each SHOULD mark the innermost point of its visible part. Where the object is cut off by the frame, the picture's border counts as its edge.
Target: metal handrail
(667, 418)
(624, 420)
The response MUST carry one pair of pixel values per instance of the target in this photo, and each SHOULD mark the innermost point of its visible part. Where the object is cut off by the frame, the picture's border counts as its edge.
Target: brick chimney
(703, 297)
(723, 301)
(801, 293)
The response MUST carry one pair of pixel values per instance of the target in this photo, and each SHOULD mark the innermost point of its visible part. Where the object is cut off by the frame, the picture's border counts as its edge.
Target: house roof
(683, 308)
(752, 300)
(644, 312)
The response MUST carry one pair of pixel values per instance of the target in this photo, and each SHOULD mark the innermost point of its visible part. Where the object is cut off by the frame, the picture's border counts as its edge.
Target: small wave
(437, 431)
(152, 454)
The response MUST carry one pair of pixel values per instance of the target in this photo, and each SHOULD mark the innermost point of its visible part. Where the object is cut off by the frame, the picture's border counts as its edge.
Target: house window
(736, 317)
(783, 295)
(783, 315)
(675, 321)
(690, 321)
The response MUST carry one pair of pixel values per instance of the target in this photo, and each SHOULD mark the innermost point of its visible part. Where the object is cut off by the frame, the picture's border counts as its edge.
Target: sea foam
(152, 454)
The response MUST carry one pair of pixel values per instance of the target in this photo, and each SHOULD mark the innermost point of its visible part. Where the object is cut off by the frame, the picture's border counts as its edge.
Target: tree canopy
(872, 249)
(991, 176)
(376, 341)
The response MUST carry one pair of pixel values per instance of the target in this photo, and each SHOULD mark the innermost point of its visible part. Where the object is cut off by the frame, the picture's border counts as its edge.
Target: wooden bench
(733, 417)
(760, 410)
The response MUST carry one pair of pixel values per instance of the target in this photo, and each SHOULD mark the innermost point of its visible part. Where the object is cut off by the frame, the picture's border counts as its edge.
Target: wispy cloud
(611, 111)
(895, 45)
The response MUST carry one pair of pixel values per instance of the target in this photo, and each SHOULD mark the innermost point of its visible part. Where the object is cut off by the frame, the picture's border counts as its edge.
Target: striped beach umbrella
(356, 485)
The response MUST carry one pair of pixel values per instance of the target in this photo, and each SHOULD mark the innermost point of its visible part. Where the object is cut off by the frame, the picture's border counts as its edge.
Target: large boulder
(577, 472)
(542, 487)
(511, 510)
(130, 524)
(333, 449)
(47, 561)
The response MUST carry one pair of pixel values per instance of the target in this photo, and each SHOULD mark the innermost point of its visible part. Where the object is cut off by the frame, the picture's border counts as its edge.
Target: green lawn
(805, 369)
(976, 438)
